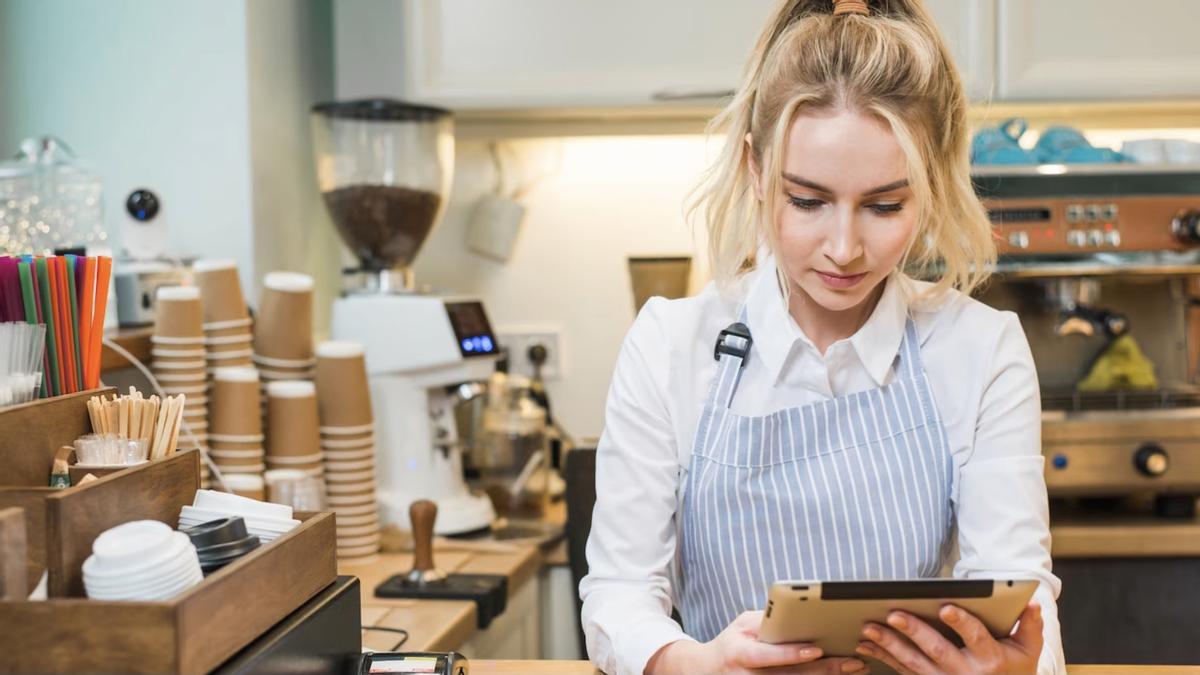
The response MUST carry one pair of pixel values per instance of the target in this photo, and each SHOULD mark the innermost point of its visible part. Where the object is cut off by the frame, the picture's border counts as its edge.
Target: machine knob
(1186, 227)
(1076, 238)
(1113, 238)
(1151, 460)
(1018, 239)
(1095, 238)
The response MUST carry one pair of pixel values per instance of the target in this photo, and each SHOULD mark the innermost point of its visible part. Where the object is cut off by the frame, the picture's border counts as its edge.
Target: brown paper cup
(239, 341)
(351, 500)
(246, 486)
(234, 404)
(221, 289)
(292, 428)
(348, 442)
(344, 396)
(178, 312)
(194, 377)
(356, 511)
(242, 464)
(283, 329)
(342, 455)
(217, 442)
(350, 478)
(334, 466)
(358, 488)
(177, 353)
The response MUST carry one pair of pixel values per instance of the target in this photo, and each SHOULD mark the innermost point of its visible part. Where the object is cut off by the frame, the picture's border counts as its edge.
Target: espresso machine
(384, 170)
(1102, 265)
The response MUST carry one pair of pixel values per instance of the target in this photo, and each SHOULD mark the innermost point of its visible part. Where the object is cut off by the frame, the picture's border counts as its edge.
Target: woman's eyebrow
(888, 187)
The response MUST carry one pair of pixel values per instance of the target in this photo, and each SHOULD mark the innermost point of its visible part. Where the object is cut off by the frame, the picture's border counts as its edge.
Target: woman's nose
(844, 244)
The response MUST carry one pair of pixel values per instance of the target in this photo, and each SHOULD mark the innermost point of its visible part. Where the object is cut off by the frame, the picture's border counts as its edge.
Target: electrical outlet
(518, 340)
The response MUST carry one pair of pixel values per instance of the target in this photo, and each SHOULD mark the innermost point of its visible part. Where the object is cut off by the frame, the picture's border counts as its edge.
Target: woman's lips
(841, 281)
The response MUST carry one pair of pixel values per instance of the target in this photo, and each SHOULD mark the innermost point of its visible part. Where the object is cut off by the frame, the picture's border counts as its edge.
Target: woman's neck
(825, 326)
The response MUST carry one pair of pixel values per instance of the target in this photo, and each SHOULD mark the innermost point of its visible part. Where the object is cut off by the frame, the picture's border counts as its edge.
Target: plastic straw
(47, 307)
(103, 271)
(74, 285)
(85, 319)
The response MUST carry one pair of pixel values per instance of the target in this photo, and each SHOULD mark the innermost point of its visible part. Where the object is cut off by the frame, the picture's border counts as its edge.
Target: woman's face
(845, 218)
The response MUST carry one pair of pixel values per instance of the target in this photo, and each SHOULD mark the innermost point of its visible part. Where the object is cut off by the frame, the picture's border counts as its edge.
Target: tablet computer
(831, 614)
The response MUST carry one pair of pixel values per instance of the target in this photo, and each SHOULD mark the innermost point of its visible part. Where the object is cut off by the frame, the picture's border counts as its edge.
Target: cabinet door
(1097, 49)
(531, 53)
(969, 28)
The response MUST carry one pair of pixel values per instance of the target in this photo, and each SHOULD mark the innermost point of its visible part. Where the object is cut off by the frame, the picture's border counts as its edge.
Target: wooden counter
(435, 625)
(585, 668)
(1124, 537)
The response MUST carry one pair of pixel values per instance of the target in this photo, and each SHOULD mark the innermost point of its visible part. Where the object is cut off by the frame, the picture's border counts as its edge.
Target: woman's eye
(805, 204)
(886, 209)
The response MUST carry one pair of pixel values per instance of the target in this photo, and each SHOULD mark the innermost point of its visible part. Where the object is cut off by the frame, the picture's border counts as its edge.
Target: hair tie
(851, 7)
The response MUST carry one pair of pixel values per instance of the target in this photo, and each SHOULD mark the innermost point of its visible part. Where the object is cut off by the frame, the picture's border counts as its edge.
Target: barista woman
(857, 424)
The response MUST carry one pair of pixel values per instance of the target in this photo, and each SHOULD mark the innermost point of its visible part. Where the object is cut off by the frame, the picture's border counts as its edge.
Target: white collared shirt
(983, 379)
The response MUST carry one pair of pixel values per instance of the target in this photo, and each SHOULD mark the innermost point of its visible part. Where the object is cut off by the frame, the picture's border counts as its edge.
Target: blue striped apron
(854, 487)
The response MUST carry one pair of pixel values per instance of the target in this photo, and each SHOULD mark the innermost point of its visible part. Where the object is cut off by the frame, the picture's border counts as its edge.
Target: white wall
(153, 92)
(610, 198)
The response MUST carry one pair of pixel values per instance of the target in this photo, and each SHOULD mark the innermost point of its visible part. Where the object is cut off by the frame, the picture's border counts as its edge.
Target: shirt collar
(776, 334)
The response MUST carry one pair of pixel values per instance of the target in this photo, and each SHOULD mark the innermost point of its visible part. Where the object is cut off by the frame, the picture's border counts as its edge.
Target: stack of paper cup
(236, 432)
(178, 359)
(227, 325)
(293, 435)
(283, 342)
(348, 441)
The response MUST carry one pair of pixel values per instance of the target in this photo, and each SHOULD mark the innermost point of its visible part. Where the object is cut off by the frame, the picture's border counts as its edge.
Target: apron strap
(731, 351)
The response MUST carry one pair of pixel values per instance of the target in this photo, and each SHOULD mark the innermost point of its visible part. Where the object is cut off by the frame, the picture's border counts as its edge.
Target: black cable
(386, 629)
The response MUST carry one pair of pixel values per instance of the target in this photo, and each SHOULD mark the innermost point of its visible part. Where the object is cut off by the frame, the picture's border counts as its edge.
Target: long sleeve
(1001, 504)
(627, 594)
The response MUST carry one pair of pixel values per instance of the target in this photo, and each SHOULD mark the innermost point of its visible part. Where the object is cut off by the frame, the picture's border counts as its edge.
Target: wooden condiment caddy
(193, 632)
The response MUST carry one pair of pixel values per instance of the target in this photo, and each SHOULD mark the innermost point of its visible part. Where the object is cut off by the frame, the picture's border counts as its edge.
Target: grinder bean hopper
(384, 170)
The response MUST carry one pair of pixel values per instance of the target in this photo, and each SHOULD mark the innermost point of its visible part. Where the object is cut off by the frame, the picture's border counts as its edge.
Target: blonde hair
(890, 63)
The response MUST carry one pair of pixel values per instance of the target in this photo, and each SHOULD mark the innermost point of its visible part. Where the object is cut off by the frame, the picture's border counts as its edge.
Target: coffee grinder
(384, 170)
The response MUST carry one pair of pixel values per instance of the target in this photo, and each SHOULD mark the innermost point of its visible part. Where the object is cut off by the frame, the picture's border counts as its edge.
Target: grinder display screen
(471, 328)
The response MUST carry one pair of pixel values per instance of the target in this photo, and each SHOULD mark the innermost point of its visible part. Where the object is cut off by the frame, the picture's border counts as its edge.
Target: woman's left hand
(910, 645)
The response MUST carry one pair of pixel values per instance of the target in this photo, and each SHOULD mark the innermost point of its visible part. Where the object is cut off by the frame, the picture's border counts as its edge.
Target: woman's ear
(755, 171)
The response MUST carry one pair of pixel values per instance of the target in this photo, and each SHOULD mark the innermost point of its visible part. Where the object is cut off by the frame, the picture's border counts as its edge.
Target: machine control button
(1186, 227)
(1074, 213)
(1151, 460)
(1076, 238)
(1059, 461)
(1018, 239)
(1110, 212)
(1095, 238)
(1092, 213)
(1113, 238)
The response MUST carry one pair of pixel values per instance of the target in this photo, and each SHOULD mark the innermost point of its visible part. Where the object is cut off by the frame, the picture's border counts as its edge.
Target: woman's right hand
(737, 651)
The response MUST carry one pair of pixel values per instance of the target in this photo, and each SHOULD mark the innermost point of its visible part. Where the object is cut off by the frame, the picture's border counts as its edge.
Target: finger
(751, 654)
(941, 651)
(903, 651)
(975, 635)
(830, 666)
(872, 650)
(1029, 629)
